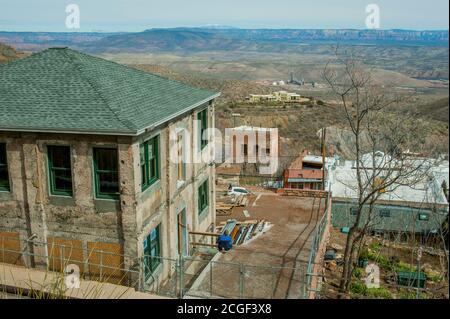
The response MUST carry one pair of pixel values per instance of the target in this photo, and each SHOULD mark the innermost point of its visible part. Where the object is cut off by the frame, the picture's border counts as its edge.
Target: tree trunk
(347, 261)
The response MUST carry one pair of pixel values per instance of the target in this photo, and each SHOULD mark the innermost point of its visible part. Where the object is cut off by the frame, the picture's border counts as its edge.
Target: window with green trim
(149, 154)
(60, 170)
(424, 217)
(385, 213)
(202, 197)
(4, 175)
(152, 251)
(353, 211)
(202, 117)
(106, 173)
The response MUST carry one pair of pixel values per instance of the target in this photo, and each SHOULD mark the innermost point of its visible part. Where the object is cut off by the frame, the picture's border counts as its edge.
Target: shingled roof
(62, 90)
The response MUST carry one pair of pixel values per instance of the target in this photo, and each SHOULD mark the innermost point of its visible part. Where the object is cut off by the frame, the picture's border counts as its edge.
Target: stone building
(84, 161)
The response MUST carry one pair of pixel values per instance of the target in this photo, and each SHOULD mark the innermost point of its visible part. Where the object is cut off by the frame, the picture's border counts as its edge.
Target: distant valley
(239, 62)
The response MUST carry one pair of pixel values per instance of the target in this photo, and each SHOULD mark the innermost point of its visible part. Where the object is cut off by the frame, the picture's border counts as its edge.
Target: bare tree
(381, 140)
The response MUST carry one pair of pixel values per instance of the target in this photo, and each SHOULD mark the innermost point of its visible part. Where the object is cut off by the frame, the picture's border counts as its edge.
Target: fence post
(101, 265)
(61, 252)
(140, 281)
(181, 267)
(86, 255)
(211, 279)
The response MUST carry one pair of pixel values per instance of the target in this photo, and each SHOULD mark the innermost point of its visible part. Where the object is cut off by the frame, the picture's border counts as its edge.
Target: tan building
(280, 96)
(84, 162)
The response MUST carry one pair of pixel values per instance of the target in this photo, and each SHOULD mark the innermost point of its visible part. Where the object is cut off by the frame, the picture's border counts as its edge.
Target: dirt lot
(275, 261)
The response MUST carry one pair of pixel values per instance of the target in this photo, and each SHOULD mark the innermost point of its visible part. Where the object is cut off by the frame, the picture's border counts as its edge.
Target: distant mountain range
(210, 38)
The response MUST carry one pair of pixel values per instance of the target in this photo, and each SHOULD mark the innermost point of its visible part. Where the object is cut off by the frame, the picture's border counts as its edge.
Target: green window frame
(424, 217)
(60, 170)
(149, 158)
(203, 198)
(106, 173)
(354, 211)
(385, 213)
(4, 174)
(202, 117)
(152, 251)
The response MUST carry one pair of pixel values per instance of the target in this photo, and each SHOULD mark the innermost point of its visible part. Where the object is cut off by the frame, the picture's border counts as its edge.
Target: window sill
(5, 195)
(106, 205)
(58, 200)
(202, 216)
(107, 198)
(61, 195)
(146, 187)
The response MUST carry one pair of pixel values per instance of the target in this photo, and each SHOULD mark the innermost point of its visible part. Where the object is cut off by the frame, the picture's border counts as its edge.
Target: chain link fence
(201, 276)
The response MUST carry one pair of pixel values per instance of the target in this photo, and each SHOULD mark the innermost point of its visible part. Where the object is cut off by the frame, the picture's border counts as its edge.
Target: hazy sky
(137, 15)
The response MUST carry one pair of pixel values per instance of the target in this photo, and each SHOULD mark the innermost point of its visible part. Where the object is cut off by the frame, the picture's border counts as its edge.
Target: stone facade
(29, 208)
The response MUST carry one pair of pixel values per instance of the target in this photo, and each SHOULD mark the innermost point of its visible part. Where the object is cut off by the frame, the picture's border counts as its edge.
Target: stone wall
(29, 208)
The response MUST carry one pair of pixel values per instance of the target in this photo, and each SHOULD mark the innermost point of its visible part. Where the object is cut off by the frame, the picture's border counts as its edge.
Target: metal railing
(317, 241)
(92, 264)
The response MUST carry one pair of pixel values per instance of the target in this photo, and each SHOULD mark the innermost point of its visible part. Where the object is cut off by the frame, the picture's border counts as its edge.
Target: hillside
(8, 54)
(264, 53)
(232, 90)
(262, 40)
(437, 110)
(210, 38)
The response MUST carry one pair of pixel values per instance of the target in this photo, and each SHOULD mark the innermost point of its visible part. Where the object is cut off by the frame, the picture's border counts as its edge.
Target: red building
(306, 172)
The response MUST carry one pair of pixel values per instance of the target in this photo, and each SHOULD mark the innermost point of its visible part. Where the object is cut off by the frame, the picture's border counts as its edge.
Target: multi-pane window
(203, 197)
(385, 213)
(60, 171)
(202, 117)
(354, 211)
(106, 173)
(149, 154)
(181, 165)
(152, 251)
(4, 176)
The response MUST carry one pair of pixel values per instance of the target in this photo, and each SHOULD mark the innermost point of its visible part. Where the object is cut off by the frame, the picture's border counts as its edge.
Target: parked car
(237, 191)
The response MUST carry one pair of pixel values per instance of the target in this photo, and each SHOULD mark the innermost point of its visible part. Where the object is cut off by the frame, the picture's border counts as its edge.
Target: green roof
(61, 90)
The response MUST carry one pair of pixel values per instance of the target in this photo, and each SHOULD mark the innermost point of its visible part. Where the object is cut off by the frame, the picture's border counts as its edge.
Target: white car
(238, 191)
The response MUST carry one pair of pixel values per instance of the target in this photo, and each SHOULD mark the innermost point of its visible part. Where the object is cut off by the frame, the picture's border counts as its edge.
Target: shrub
(358, 288)
(379, 293)
(375, 246)
(358, 272)
(433, 277)
(382, 261)
(402, 266)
